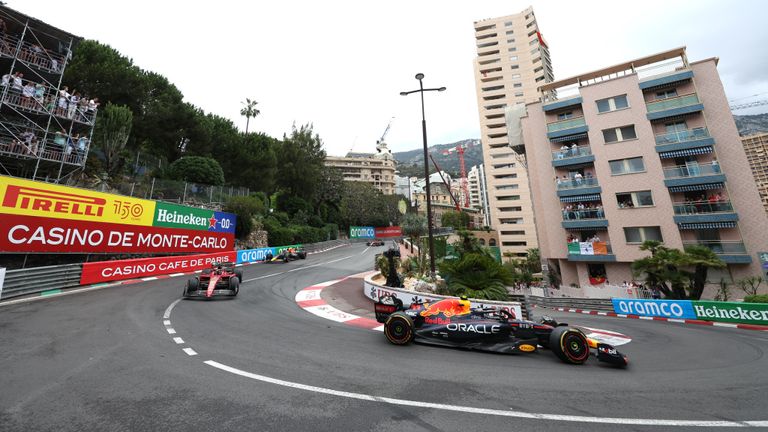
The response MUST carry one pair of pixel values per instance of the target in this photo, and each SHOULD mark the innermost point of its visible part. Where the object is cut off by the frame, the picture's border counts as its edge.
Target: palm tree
(661, 269)
(249, 110)
(701, 258)
(414, 226)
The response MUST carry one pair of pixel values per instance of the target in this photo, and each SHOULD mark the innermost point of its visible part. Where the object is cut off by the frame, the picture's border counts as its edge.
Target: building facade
(756, 148)
(512, 61)
(443, 203)
(644, 150)
(478, 192)
(368, 168)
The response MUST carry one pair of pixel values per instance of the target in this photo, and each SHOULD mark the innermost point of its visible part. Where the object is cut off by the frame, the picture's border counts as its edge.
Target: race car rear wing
(386, 306)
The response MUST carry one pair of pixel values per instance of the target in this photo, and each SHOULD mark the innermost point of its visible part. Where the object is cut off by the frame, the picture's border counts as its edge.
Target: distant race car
(220, 279)
(375, 243)
(452, 323)
(286, 255)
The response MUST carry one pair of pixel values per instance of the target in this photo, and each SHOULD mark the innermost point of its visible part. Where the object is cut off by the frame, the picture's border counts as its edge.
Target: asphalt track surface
(104, 360)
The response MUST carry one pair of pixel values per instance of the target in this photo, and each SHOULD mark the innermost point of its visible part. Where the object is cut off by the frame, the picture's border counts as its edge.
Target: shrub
(756, 298)
(197, 169)
(476, 275)
(245, 208)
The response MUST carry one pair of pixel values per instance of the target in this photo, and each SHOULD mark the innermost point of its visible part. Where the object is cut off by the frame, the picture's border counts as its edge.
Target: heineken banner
(746, 313)
(177, 216)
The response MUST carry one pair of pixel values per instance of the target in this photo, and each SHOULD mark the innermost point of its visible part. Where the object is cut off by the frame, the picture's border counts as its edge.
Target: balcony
(562, 103)
(730, 251)
(564, 128)
(673, 107)
(665, 80)
(590, 252)
(693, 174)
(584, 219)
(578, 156)
(684, 142)
(571, 187)
(705, 212)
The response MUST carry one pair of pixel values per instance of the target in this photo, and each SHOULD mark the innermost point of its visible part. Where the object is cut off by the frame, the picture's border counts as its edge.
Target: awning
(696, 187)
(686, 152)
(707, 225)
(569, 137)
(577, 198)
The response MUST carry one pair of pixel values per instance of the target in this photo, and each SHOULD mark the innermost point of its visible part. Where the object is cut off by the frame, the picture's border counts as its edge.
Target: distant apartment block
(512, 61)
(368, 168)
(756, 148)
(478, 192)
(643, 150)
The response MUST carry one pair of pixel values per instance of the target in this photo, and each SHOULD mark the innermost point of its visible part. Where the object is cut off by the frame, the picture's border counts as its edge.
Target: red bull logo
(447, 307)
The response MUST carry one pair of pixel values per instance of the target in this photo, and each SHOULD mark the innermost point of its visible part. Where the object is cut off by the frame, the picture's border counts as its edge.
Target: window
(516, 85)
(627, 166)
(516, 76)
(503, 165)
(513, 58)
(510, 32)
(518, 243)
(505, 176)
(492, 242)
(677, 126)
(634, 199)
(565, 116)
(509, 209)
(512, 49)
(518, 94)
(481, 241)
(509, 198)
(619, 134)
(508, 24)
(533, 42)
(516, 232)
(513, 67)
(612, 104)
(541, 78)
(511, 221)
(666, 94)
(638, 235)
(502, 155)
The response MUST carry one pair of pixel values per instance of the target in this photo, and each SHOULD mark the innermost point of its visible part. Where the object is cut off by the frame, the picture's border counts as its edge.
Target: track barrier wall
(742, 313)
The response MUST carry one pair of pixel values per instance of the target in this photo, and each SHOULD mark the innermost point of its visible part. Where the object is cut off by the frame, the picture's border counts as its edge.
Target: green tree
(662, 269)
(249, 110)
(414, 226)
(251, 162)
(246, 208)
(456, 219)
(476, 275)
(301, 159)
(701, 258)
(197, 169)
(113, 128)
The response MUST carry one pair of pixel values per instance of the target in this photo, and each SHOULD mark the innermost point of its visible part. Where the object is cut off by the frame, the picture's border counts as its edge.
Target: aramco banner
(366, 232)
(260, 254)
(102, 271)
(43, 217)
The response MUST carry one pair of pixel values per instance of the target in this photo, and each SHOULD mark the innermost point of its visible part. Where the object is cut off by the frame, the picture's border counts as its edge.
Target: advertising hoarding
(192, 218)
(361, 232)
(103, 271)
(387, 232)
(255, 255)
(746, 313)
(23, 234)
(676, 309)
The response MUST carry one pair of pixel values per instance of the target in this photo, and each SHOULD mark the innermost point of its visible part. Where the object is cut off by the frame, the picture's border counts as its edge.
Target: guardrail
(572, 303)
(37, 280)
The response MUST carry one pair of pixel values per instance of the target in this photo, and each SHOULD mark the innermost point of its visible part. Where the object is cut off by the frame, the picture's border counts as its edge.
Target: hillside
(751, 124)
(410, 163)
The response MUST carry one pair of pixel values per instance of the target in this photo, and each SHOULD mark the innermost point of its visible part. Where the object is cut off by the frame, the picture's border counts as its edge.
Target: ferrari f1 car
(286, 255)
(220, 279)
(452, 322)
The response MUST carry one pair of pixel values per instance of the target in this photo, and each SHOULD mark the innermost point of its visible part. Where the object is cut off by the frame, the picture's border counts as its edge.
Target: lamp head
(403, 93)
(419, 76)
(441, 89)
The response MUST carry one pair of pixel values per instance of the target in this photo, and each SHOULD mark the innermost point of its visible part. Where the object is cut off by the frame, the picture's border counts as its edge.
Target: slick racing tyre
(239, 275)
(192, 285)
(399, 328)
(234, 285)
(569, 344)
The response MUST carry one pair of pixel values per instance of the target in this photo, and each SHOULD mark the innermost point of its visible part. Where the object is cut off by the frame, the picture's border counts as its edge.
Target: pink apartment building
(646, 149)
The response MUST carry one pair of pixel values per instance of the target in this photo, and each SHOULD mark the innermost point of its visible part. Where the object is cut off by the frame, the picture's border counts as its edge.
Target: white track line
(167, 314)
(486, 411)
(178, 340)
(190, 351)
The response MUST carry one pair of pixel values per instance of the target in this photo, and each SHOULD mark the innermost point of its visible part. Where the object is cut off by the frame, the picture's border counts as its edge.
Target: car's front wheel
(398, 328)
(192, 285)
(569, 344)
(234, 284)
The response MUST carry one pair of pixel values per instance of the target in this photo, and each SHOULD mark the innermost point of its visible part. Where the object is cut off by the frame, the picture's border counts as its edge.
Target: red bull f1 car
(286, 255)
(220, 280)
(453, 323)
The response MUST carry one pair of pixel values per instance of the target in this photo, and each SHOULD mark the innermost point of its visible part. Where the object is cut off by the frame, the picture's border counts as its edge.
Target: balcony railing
(671, 103)
(692, 170)
(702, 207)
(592, 214)
(576, 183)
(682, 136)
(725, 247)
(571, 153)
(589, 248)
(566, 124)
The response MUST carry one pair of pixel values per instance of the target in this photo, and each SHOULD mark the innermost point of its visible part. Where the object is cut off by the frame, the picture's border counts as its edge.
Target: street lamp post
(421, 90)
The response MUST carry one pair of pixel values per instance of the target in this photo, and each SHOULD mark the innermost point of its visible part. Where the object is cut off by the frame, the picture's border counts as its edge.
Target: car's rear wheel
(239, 274)
(398, 328)
(234, 284)
(569, 344)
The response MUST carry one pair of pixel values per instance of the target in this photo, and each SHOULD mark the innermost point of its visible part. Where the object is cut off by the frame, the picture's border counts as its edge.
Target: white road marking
(190, 351)
(177, 274)
(167, 322)
(151, 278)
(676, 320)
(331, 313)
(487, 411)
(167, 314)
(646, 318)
(366, 250)
(178, 340)
(171, 331)
(380, 328)
(720, 324)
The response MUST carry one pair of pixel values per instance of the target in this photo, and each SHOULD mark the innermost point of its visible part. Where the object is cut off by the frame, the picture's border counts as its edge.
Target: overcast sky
(341, 65)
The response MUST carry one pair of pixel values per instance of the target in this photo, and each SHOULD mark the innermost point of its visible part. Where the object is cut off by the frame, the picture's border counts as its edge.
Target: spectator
(39, 95)
(60, 139)
(74, 100)
(715, 166)
(28, 95)
(17, 86)
(578, 177)
(574, 150)
(6, 81)
(61, 109)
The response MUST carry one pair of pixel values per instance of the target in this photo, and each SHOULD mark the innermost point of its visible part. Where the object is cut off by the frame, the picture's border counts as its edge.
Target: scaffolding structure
(45, 134)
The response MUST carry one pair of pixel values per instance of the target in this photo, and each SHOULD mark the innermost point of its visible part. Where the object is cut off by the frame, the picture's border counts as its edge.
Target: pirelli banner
(43, 217)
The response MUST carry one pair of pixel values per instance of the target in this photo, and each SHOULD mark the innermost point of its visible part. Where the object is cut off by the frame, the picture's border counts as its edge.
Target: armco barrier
(39, 279)
(572, 303)
(374, 291)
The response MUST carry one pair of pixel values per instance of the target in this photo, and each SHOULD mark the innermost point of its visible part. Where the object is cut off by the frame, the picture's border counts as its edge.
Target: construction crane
(381, 146)
(384, 135)
(447, 186)
(460, 149)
